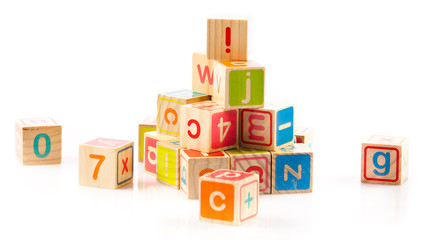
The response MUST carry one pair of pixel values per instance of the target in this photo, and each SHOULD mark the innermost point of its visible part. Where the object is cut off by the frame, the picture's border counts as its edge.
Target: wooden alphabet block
(304, 135)
(150, 150)
(292, 169)
(238, 84)
(195, 164)
(168, 163)
(269, 128)
(38, 141)
(169, 107)
(255, 161)
(229, 197)
(147, 125)
(106, 163)
(207, 127)
(202, 74)
(227, 39)
(385, 160)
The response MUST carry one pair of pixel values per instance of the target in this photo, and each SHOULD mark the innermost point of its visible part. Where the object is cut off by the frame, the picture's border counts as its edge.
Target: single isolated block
(207, 127)
(229, 197)
(254, 161)
(304, 135)
(147, 125)
(292, 169)
(169, 107)
(106, 163)
(150, 149)
(385, 160)
(38, 141)
(195, 164)
(202, 74)
(269, 128)
(168, 163)
(238, 84)
(227, 39)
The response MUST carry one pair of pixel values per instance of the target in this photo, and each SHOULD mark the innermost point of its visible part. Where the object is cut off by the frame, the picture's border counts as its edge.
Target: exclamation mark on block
(227, 39)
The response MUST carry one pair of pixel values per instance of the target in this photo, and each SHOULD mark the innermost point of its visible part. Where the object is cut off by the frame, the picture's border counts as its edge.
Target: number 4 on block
(106, 163)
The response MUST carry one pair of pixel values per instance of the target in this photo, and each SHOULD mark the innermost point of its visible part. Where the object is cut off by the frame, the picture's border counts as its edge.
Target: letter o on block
(229, 197)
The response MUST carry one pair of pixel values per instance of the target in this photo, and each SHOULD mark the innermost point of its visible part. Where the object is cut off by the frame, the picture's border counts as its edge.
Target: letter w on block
(206, 73)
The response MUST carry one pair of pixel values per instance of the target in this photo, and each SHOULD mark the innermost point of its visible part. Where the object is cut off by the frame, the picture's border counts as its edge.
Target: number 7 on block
(101, 159)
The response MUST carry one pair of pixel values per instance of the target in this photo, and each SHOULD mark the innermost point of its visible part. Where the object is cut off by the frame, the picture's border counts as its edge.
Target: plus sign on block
(385, 160)
(106, 163)
(229, 197)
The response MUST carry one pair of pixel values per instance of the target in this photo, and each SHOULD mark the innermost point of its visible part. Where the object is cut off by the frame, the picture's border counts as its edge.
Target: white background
(352, 69)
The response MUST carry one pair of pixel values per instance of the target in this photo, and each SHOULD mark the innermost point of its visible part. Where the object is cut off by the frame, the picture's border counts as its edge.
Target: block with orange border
(229, 197)
(195, 164)
(106, 163)
(238, 84)
(169, 107)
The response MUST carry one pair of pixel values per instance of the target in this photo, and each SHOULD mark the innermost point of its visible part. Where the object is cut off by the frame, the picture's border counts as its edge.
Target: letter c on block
(195, 122)
(212, 203)
(175, 119)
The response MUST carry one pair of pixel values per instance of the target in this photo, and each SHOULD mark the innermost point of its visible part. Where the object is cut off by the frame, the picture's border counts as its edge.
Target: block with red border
(229, 197)
(150, 149)
(385, 160)
(195, 164)
(38, 141)
(106, 163)
(269, 128)
(147, 125)
(304, 135)
(207, 127)
(255, 161)
(169, 107)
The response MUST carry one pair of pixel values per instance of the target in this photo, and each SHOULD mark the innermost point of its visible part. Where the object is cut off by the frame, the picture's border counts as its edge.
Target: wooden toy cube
(147, 125)
(385, 160)
(207, 127)
(168, 163)
(229, 197)
(202, 73)
(268, 128)
(304, 135)
(150, 150)
(38, 141)
(255, 161)
(238, 84)
(195, 164)
(169, 105)
(292, 169)
(106, 163)
(227, 39)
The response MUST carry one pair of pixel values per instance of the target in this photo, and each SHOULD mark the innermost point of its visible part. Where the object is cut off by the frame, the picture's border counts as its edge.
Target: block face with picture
(292, 169)
(229, 197)
(106, 163)
(254, 161)
(207, 127)
(38, 141)
(195, 164)
(385, 160)
(238, 84)
(269, 128)
(169, 107)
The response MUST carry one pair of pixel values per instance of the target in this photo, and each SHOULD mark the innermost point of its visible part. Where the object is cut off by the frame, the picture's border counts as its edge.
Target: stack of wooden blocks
(223, 123)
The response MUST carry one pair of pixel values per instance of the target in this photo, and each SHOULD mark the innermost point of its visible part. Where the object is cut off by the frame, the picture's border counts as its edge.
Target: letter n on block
(229, 197)
(385, 160)
(292, 169)
(269, 128)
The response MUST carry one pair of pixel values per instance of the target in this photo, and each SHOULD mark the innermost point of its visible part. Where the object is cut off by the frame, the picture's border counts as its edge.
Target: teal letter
(386, 165)
(36, 145)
